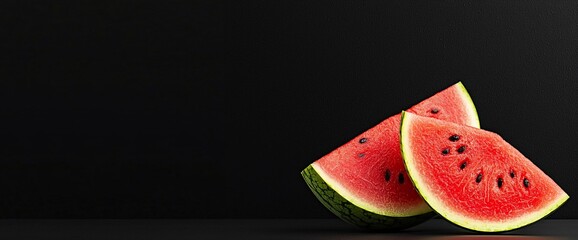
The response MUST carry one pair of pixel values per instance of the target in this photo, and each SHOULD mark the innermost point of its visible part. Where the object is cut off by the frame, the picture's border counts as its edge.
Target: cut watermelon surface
(364, 182)
(473, 177)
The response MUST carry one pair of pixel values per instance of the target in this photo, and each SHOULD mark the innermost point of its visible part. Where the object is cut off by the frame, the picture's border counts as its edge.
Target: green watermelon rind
(353, 214)
(477, 226)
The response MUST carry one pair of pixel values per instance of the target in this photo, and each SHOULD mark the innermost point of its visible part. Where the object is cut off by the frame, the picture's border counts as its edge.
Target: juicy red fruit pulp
(475, 173)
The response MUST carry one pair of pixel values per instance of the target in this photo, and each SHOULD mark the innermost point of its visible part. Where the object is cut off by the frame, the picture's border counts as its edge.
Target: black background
(122, 109)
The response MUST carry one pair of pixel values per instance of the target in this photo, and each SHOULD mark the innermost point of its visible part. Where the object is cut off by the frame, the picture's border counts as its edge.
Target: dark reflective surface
(320, 229)
(497, 237)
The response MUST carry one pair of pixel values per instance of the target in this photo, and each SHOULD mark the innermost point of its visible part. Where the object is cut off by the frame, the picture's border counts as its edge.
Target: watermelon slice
(364, 181)
(473, 177)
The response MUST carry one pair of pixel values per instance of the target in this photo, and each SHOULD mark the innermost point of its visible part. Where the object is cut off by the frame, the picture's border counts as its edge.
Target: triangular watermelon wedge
(473, 177)
(364, 182)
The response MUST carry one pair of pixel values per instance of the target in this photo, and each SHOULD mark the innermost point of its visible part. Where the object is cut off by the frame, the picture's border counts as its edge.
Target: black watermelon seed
(464, 164)
(435, 110)
(512, 174)
(446, 151)
(363, 140)
(479, 178)
(400, 178)
(454, 138)
(387, 175)
(461, 149)
(500, 182)
(361, 155)
(526, 182)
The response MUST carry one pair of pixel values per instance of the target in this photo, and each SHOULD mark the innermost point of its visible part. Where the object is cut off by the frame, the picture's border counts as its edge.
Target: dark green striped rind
(350, 213)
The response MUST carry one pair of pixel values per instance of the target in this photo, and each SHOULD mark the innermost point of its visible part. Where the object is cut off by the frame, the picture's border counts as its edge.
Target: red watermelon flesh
(473, 177)
(368, 171)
